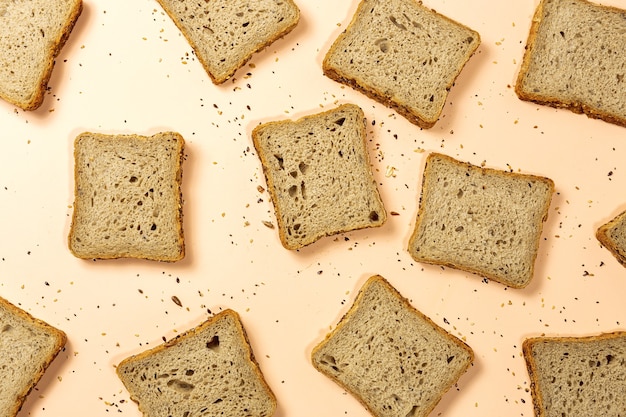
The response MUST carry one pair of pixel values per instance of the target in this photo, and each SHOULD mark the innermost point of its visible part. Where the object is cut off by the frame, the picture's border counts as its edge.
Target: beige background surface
(127, 69)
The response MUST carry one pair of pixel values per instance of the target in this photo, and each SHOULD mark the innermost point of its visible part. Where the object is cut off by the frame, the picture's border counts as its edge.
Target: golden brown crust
(424, 195)
(265, 164)
(556, 102)
(228, 313)
(385, 100)
(531, 364)
(271, 186)
(54, 50)
(221, 79)
(60, 339)
(602, 234)
(179, 202)
(379, 96)
(346, 317)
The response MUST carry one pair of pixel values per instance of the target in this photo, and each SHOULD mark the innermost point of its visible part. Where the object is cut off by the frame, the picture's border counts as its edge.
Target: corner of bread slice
(27, 347)
(127, 197)
(612, 235)
(208, 370)
(226, 34)
(577, 375)
(386, 53)
(32, 35)
(481, 220)
(318, 175)
(391, 357)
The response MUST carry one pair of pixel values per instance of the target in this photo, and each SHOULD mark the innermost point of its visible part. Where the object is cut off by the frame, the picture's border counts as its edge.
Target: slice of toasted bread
(575, 59)
(27, 347)
(32, 33)
(390, 356)
(209, 370)
(481, 220)
(225, 34)
(318, 175)
(403, 55)
(127, 200)
(577, 376)
(613, 236)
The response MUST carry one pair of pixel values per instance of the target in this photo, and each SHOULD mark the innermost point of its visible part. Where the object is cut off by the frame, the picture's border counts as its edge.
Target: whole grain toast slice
(27, 347)
(127, 198)
(481, 220)
(32, 33)
(402, 54)
(577, 376)
(208, 370)
(319, 176)
(613, 236)
(391, 357)
(575, 58)
(225, 34)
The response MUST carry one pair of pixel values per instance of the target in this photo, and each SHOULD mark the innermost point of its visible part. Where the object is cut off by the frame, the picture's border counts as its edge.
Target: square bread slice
(127, 198)
(390, 356)
(403, 55)
(225, 34)
(577, 376)
(27, 347)
(575, 59)
(207, 371)
(613, 236)
(480, 220)
(32, 33)
(318, 174)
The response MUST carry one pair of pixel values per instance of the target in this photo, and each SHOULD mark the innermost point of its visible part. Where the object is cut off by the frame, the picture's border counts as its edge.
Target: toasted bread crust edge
(602, 234)
(270, 181)
(217, 80)
(555, 102)
(531, 364)
(192, 332)
(386, 100)
(60, 338)
(409, 306)
(382, 218)
(56, 47)
(420, 215)
(178, 196)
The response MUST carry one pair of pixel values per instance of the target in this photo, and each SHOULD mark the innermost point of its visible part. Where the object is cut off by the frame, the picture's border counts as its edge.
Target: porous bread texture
(208, 370)
(577, 376)
(27, 347)
(575, 58)
(225, 34)
(318, 174)
(391, 357)
(403, 55)
(127, 200)
(481, 220)
(32, 33)
(613, 236)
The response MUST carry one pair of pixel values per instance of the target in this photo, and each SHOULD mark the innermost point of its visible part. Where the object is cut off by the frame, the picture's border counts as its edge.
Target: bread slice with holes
(319, 176)
(225, 34)
(208, 370)
(575, 59)
(391, 357)
(577, 376)
(127, 198)
(481, 220)
(32, 33)
(613, 236)
(27, 347)
(402, 54)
